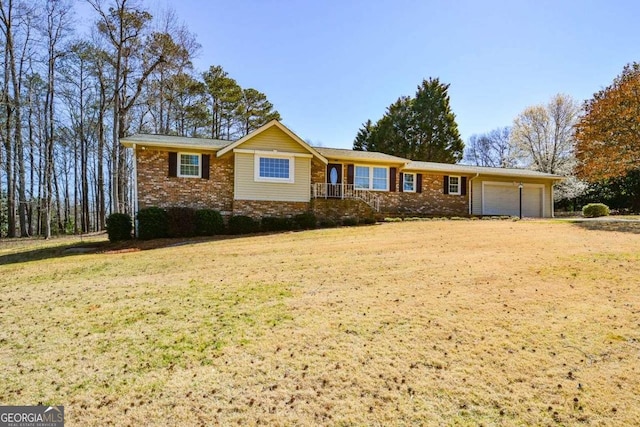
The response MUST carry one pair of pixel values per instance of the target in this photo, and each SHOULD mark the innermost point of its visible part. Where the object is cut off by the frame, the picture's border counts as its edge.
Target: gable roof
(174, 141)
(365, 156)
(483, 170)
(269, 125)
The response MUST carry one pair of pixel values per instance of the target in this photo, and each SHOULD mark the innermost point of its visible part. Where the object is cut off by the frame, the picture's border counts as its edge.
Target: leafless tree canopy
(67, 98)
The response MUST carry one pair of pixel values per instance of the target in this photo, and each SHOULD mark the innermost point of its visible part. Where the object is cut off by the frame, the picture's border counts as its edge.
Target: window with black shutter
(173, 164)
(205, 166)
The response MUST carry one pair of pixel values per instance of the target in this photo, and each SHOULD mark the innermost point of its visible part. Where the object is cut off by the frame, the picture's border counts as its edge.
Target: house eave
(143, 145)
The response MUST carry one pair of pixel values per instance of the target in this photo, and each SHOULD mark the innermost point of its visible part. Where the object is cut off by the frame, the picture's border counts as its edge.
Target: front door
(334, 180)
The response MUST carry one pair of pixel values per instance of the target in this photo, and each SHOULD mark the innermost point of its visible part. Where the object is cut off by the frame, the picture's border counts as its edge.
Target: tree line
(67, 98)
(594, 146)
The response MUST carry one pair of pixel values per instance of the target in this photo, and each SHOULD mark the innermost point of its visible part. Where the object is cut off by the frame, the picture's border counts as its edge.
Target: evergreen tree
(419, 128)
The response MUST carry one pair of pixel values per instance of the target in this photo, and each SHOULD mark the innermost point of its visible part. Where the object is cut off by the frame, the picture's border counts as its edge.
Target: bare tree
(124, 25)
(16, 23)
(492, 149)
(57, 24)
(544, 138)
(544, 135)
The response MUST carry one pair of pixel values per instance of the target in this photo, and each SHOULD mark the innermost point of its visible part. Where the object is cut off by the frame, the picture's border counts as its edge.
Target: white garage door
(504, 199)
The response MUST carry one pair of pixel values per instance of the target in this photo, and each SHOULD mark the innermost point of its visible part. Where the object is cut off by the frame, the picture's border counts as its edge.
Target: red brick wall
(339, 209)
(432, 200)
(259, 208)
(156, 188)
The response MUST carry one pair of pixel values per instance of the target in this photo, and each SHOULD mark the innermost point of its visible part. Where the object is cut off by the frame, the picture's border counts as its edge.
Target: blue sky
(328, 66)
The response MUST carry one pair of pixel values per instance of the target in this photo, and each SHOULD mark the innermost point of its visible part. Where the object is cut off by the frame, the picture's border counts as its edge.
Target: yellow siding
(246, 188)
(273, 139)
(476, 195)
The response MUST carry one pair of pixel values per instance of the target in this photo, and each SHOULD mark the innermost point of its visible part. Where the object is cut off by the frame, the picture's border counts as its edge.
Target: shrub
(152, 223)
(209, 222)
(272, 223)
(241, 224)
(368, 220)
(181, 222)
(119, 227)
(327, 223)
(349, 222)
(306, 221)
(594, 210)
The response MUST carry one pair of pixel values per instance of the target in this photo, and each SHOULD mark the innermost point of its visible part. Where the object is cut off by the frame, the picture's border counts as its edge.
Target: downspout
(471, 191)
(135, 191)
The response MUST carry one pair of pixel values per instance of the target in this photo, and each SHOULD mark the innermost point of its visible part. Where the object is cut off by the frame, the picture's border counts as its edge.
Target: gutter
(470, 192)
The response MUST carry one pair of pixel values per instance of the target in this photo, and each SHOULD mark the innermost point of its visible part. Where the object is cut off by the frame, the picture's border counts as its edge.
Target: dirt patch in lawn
(425, 323)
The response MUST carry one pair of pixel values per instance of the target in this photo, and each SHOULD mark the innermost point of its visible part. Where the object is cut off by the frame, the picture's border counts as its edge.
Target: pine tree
(419, 128)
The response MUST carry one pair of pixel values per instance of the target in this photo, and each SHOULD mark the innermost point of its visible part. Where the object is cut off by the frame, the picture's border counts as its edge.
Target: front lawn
(434, 323)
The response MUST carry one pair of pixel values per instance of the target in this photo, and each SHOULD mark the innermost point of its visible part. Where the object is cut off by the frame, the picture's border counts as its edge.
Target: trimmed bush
(119, 227)
(306, 221)
(272, 223)
(241, 224)
(349, 222)
(368, 220)
(594, 210)
(181, 222)
(327, 223)
(152, 223)
(209, 222)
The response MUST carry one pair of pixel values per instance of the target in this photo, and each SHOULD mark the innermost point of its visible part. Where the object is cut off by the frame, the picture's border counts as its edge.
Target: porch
(321, 190)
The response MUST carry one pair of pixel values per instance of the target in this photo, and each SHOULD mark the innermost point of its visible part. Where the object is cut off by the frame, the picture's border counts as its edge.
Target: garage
(503, 198)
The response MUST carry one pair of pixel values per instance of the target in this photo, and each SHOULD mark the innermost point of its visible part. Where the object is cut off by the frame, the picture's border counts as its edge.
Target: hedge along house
(273, 172)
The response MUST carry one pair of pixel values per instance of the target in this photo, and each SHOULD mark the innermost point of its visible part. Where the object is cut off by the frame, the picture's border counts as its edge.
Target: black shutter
(173, 164)
(392, 179)
(350, 174)
(446, 184)
(205, 166)
(463, 190)
(418, 183)
(401, 188)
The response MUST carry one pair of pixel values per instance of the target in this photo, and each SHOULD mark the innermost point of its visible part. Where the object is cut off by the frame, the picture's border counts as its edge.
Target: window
(454, 185)
(409, 183)
(274, 169)
(362, 177)
(371, 178)
(189, 165)
(379, 179)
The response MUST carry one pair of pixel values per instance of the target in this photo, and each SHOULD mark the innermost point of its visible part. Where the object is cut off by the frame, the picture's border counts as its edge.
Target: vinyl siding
(273, 139)
(246, 188)
(476, 195)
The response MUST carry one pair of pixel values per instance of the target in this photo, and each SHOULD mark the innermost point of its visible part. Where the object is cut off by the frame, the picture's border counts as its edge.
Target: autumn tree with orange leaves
(608, 133)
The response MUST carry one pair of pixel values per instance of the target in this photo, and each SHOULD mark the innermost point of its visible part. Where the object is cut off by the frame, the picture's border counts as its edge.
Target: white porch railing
(321, 190)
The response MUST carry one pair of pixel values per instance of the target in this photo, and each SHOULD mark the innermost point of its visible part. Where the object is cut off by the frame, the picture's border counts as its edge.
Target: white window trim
(180, 175)
(371, 167)
(404, 174)
(459, 192)
(256, 168)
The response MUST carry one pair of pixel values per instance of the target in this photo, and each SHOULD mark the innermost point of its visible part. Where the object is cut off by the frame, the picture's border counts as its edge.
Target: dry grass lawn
(421, 323)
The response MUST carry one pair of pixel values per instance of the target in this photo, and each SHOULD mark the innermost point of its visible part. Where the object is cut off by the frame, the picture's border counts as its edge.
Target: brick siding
(338, 209)
(259, 208)
(156, 188)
